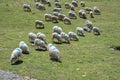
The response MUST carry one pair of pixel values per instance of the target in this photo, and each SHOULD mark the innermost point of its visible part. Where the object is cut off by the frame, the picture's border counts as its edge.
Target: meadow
(90, 58)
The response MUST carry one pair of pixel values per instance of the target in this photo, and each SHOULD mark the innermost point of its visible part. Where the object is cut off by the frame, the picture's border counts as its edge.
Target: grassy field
(90, 58)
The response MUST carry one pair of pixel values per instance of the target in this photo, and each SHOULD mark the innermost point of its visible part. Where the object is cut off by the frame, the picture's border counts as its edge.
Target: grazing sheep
(61, 16)
(73, 35)
(74, 3)
(26, 7)
(57, 9)
(66, 37)
(96, 10)
(72, 7)
(47, 17)
(24, 47)
(32, 36)
(96, 30)
(67, 5)
(91, 14)
(49, 3)
(39, 24)
(57, 4)
(55, 13)
(88, 9)
(57, 29)
(39, 44)
(86, 29)
(67, 20)
(54, 53)
(56, 36)
(89, 24)
(54, 19)
(40, 6)
(17, 52)
(72, 14)
(41, 36)
(82, 14)
(80, 31)
(82, 3)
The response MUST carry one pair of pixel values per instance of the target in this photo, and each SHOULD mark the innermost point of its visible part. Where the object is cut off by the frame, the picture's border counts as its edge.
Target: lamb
(57, 29)
(89, 24)
(67, 20)
(82, 3)
(39, 44)
(74, 3)
(41, 36)
(58, 4)
(54, 53)
(66, 37)
(73, 36)
(80, 31)
(54, 19)
(96, 10)
(72, 14)
(17, 52)
(24, 47)
(32, 36)
(61, 16)
(40, 6)
(47, 17)
(91, 14)
(39, 24)
(56, 36)
(57, 9)
(96, 30)
(26, 7)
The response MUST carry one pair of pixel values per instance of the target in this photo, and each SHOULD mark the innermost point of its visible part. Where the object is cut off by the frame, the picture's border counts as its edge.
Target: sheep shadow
(39, 27)
(57, 42)
(17, 62)
(40, 50)
(55, 60)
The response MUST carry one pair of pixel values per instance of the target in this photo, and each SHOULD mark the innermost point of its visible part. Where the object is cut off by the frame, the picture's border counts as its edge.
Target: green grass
(90, 58)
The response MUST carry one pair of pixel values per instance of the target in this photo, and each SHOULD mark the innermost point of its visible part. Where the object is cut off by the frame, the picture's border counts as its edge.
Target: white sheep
(61, 16)
(24, 47)
(89, 24)
(54, 19)
(58, 4)
(82, 3)
(86, 29)
(57, 29)
(17, 52)
(96, 30)
(72, 14)
(56, 36)
(72, 7)
(73, 36)
(96, 10)
(80, 31)
(67, 20)
(67, 5)
(88, 9)
(55, 13)
(39, 44)
(74, 3)
(54, 53)
(82, 14)
(26, 7)
(40, 6)
(57, 9)
(39, 24)
(32, 36)
(91, 14)
(41, 36)
(66, 37)
(47, 17)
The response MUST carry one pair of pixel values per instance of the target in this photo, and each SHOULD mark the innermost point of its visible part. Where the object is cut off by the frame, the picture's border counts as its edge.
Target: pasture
(90, 58)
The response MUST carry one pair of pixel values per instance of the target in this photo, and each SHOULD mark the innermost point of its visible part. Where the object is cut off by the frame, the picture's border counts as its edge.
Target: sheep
(24, 47)
(74, 3)
(67, 20)
(54, 19)
(96, 30)
(96, 10)
(61, 16)
(89, 24)
(39, 24)
(47, 17)
(67, 5)
(88, 9)
(82, 14)
(57, 9)
(72, 7)
(57, 29)
(55, 13)
(49, 3)
(40, 6)
(72, 14)
(17, 52)
(86, 29)
(26, 7)
(32, 36)
(54, 53)
(56, 36)
(39, 44)
(58, 4)
(91, 14)
(73, 36)
(66, 37)
(82, 3)
(80, 31)
(41, 36)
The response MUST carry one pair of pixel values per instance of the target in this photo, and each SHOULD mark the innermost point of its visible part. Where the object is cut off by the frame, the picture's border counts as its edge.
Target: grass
(90, 58)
